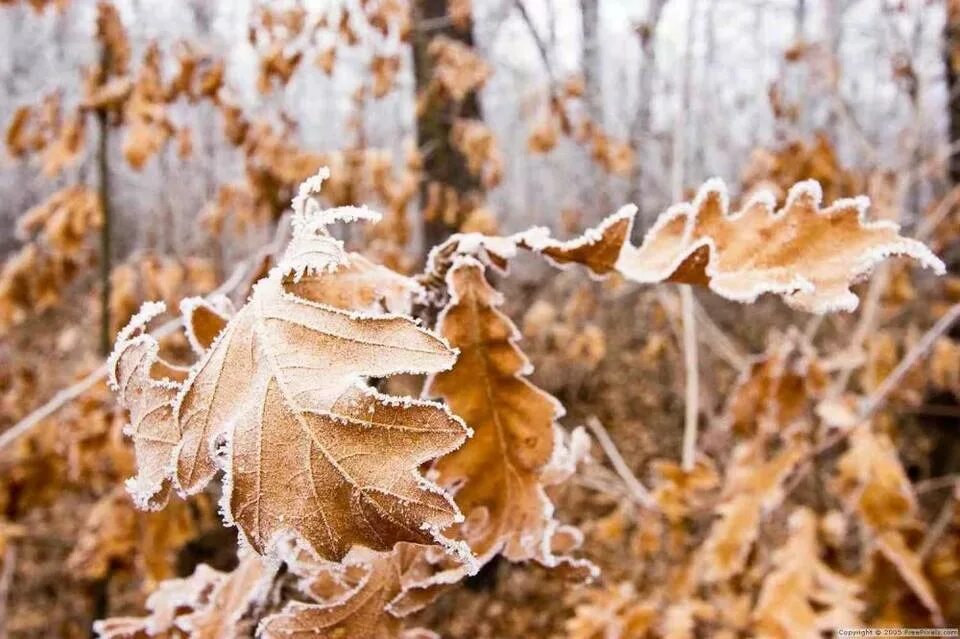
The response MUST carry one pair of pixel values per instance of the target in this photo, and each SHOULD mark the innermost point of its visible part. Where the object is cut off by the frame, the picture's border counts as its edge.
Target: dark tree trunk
(592, 72)
(106, 244)
(951, 54)
(442, 163)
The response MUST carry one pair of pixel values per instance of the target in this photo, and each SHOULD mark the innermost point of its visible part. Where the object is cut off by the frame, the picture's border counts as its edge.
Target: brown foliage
(702, 243)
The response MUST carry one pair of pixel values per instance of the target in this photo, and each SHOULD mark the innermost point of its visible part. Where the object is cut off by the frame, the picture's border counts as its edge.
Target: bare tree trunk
(103, 189)
(951, 55)
(443, 164)
(640, 129)
(594, 193)
(592, 71)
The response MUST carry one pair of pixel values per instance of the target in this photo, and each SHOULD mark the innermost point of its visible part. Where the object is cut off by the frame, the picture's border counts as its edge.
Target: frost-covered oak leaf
(308, 449)
(501, 471)
(146, 387)
(353, 599)
(279, 401)
(808, 255)
(206, 605)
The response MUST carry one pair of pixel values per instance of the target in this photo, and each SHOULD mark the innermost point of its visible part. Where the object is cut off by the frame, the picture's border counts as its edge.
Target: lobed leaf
(807, 255)
(146, 387)
(501, 471)
(279, 401)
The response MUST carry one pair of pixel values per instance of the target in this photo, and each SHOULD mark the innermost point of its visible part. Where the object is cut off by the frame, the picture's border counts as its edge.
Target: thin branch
(717, 340)
(637, 490)
(866, 324)
(692, 388)
(870, 405)
(940, 525)
(936, 483)
(933, 220)
(6, 581)
(538, 40)
(678, 169)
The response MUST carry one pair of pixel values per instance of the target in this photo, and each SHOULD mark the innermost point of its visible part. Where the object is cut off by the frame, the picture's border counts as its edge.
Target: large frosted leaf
(517, 447)
(279, 401)
(807, 255)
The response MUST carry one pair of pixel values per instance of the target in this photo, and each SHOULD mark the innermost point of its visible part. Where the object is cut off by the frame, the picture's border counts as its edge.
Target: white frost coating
(310, 219)
(311, 255)
(481, 245)
(303, 202)
(798, 291)
(219, 305)
(538, 238)
(806, 188)
(568, 452)
(127, 334)
(142, 491)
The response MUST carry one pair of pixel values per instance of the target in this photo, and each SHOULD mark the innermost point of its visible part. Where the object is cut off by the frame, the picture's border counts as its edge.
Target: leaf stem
(637, 490)
(692, 386)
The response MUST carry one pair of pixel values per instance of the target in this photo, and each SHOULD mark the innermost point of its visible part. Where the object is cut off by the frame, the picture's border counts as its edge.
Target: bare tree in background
(951, 54)
(443, 164)
(640, 128)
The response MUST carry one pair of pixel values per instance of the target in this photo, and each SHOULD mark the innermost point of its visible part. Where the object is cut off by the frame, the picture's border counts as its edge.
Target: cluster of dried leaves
(376, 503)
(356, 506)
(564, 114)
(55, 251)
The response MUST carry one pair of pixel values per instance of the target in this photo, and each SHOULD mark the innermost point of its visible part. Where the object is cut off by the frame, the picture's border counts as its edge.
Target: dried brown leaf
(753, 486)
(355, 599)
(323, 458)
(502, 469)
(136, 375)
(807, 255)
(802, 596)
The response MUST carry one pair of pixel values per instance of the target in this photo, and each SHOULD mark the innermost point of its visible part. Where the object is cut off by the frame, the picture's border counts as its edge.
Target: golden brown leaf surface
(874, 484)
(752, 488)
(136, 375)
(279, 402)
(802, 596)
(355, 598)
(808, 255)
(501, 471)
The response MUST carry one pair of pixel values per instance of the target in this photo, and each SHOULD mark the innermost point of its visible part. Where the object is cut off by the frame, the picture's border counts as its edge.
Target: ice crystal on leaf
(517, 448)
(279, 401)
(808, 255)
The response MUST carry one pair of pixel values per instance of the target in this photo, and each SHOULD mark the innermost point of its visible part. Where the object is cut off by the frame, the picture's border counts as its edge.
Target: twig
(692, 388)
(6, 580)
(541, 45)
(865, 324)
(637, 490)
(933, 220)
(678, 174)
(940, 525)
(869, 405)
(66, 395)
(717, 340)
(936, 483)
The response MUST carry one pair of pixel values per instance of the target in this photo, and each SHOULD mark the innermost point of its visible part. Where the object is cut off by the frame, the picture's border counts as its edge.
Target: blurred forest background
(152, 146)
